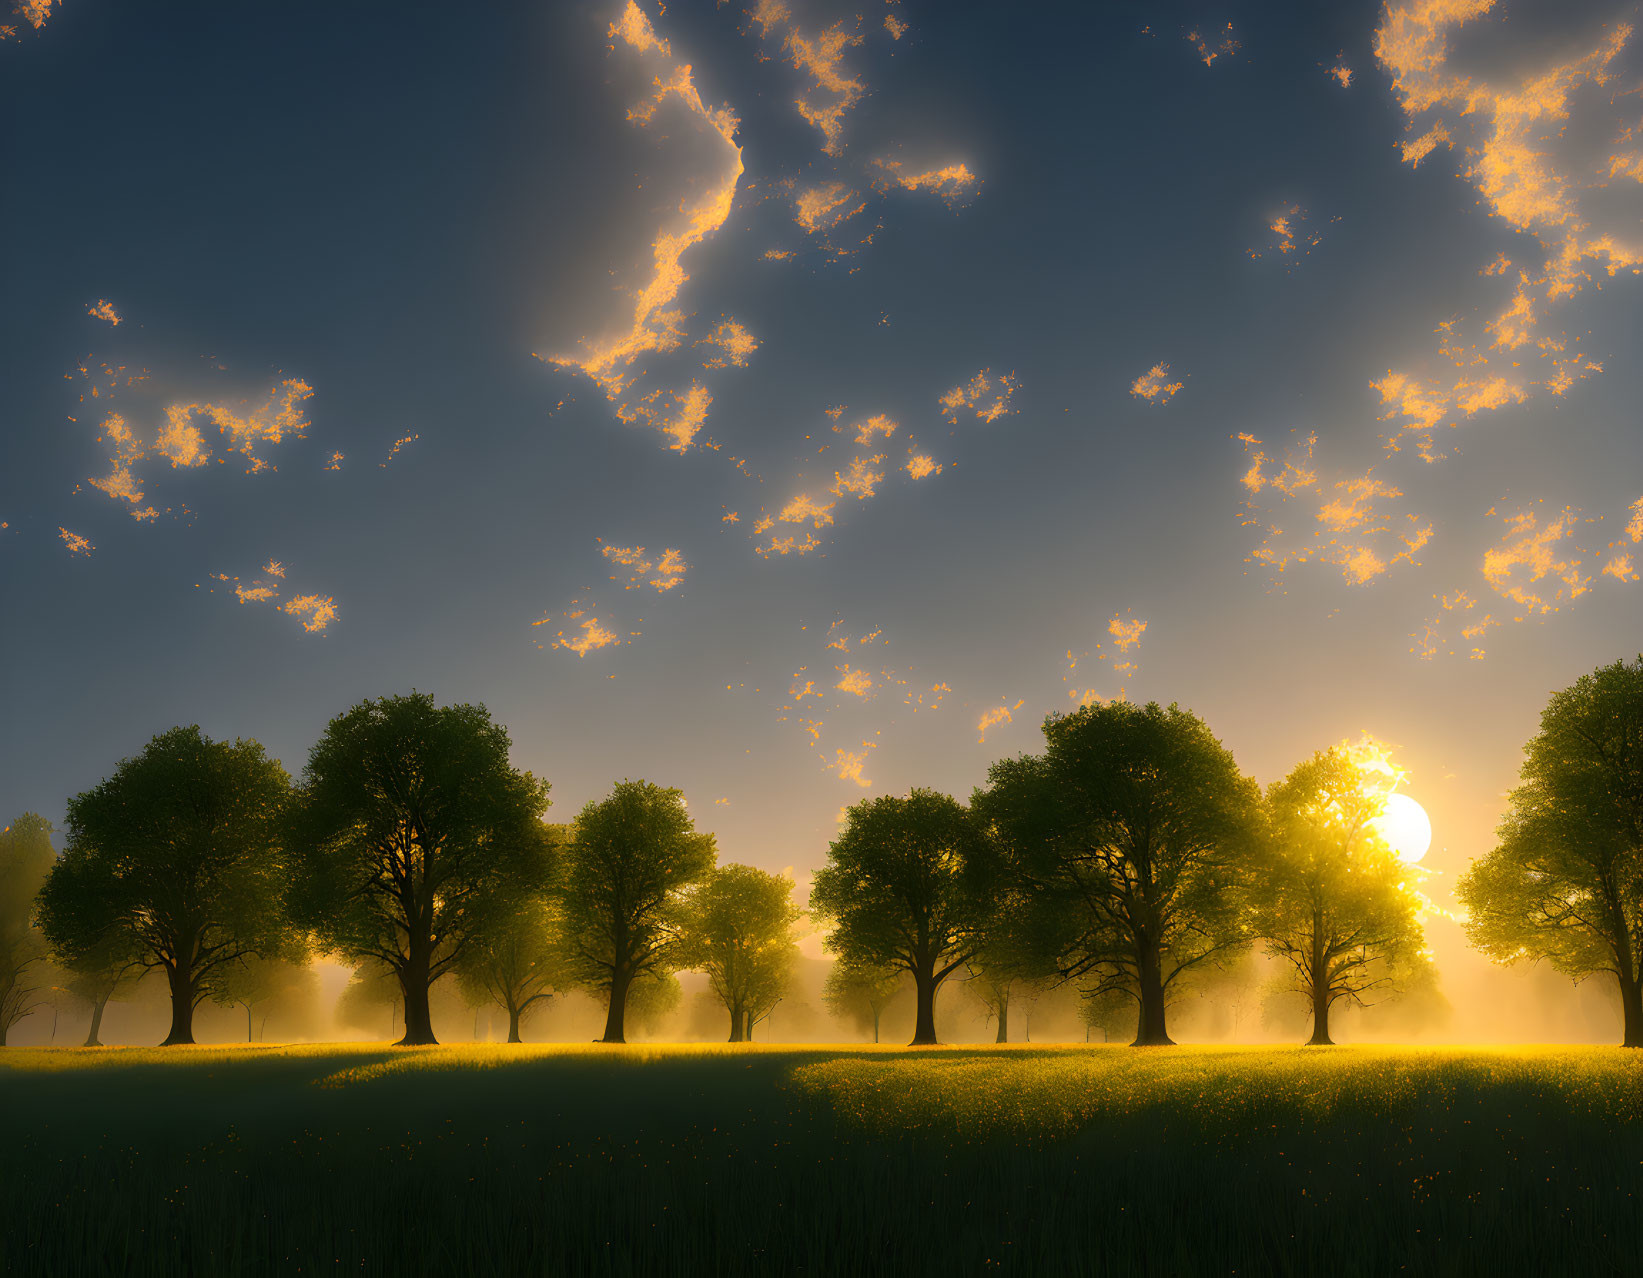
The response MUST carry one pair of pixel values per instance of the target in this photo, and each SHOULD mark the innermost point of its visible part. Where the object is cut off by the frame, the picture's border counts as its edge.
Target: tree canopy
(862, 992)
(907, 885)
(738, 930)
(1335, 904)
(1565, 881)
(629, 867)
(1130, 833)
(179, 856)
(413, 830)
(26, 856)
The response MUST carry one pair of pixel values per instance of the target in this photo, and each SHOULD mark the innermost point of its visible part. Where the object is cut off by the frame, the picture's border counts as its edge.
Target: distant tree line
(1131, 859)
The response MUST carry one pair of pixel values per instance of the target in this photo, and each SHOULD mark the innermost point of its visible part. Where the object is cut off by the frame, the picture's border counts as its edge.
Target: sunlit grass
(1213, 1089)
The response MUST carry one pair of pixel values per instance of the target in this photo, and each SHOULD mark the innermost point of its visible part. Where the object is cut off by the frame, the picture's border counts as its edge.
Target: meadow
(366, 1159)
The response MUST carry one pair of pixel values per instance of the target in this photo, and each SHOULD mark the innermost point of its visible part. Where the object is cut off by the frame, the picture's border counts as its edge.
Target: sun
(1405, 827)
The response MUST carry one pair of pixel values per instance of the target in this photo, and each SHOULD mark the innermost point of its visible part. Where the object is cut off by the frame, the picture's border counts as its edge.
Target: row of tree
(413, 847)
(1131, 858)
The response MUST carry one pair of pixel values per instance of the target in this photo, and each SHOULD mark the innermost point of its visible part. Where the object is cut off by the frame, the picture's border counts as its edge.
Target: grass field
(757, 1160)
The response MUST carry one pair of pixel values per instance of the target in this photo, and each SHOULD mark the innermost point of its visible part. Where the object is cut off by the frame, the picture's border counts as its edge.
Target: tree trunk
(924, 1028)
(1320, 1019)
(419, 1022)
(614, 1021)
(97, 1006)
(875, 1024)
(1003, 1022)
(513, 1025)
(1150, 1030)
(738, 1023)
(1631, 1011)
(250, 1037)
(182, 1009)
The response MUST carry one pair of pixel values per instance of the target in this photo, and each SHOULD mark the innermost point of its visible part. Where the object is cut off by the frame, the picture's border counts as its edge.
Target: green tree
(1565, 881)
(413, 830)
(1335, 905)
(630, 866)
(739, 931)
(1129, 834)
(862, 992)
(26, 856)
(513, 961)
(178, 856)
(906, 885)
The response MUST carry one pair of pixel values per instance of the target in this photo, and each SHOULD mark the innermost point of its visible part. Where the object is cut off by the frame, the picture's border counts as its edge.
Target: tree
(413, 830)
(371, 989)
(738, 930)
(629, 869)
(1565, 881)
(1336, 905)
(26, 856)
(257, 981)
(1128, 834)
(513, 961)
(653, 996)
(906, 886)
(862, 991)
(102, 974)
(179, 857)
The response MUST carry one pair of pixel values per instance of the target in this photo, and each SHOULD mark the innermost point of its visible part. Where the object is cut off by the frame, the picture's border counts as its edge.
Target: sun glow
(1405, 827)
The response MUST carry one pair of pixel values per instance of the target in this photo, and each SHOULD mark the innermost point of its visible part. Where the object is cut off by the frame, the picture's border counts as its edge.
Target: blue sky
(413, 211)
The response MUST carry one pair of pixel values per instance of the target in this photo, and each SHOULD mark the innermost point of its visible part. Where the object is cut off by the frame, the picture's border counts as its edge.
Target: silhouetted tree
(1565, 882)
(257, 981)
(102, 974)
(414, 829)
(906, 885)
(26, 856)
(373, 988)
(632, 860)
(1129, 833)
(179, 856)
(862, 991)
(1334, 902)
(738, 930)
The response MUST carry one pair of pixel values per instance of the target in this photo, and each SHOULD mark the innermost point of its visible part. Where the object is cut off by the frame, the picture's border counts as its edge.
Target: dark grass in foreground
(457, 1161)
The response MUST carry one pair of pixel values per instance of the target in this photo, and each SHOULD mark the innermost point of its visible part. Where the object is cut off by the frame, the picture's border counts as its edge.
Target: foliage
(629, 868)
(26, 856)
(1565, 881)
(1335, 905)
(178, 860)
(413, 830)
(514, 960)
(1131, 833)
(862, 992)
(738, 929)
(906, 885)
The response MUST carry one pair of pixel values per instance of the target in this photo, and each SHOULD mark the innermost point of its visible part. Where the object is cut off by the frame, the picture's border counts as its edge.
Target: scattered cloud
(1213, 44)
(77, 545)
(104, 310)
(818, 54)
(987, 396)
(1154, 385)
(992, 718)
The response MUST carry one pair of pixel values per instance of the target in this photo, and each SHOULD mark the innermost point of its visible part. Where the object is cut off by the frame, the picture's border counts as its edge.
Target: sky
(796, 402)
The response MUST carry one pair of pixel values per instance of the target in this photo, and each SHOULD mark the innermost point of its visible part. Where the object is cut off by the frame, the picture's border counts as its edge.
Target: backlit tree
(1565, 881)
